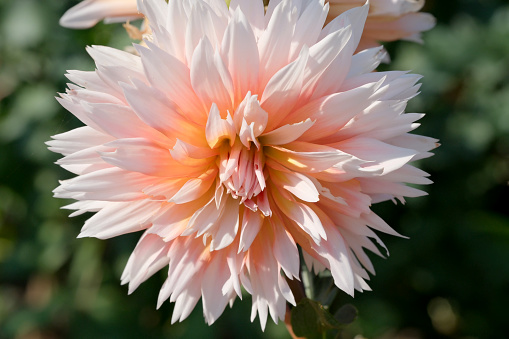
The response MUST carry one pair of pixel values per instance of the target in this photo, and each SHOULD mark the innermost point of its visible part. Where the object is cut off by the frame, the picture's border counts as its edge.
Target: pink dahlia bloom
(89, 12)
(388, 20)
(234, 137)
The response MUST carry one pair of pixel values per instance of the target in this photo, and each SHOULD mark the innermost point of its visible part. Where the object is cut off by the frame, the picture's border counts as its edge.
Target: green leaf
(346, 314)
(311, 320)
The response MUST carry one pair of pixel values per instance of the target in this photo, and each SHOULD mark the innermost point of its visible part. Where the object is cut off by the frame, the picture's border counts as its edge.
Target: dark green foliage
(311, 319)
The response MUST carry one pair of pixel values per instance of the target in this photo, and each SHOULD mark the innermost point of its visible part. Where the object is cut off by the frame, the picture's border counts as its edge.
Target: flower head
(232, 138)
(388, 20)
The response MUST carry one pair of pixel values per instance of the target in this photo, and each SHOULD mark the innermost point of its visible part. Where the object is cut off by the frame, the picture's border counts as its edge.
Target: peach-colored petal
(153, 108)
(219, 129)
(177, 88)
(89, 12)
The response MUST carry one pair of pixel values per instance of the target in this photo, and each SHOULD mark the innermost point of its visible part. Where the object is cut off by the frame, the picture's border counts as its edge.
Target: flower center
(241, 170)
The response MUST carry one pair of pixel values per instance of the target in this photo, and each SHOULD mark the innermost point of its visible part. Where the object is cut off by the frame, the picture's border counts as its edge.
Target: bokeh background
(449, 280)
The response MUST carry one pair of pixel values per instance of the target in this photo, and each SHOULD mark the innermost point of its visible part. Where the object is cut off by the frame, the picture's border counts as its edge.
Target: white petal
(328, 64)
(274, 43)
(283, 90)
(119, 218)
(254, 12)
(303, 216)
(214, 302)
(285, 249)
(383, 155)
(210, 78)
(251, 224)
(76, 140)
(148, 257)
(308, 26)
(104, 185)
(296, 183)
(287, 133)
(121, 122)
(240, 54)
(335, 251)
(331, 113)
(227, 226)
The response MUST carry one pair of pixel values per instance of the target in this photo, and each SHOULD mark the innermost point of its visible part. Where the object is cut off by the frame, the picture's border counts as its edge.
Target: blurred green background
(450, 280)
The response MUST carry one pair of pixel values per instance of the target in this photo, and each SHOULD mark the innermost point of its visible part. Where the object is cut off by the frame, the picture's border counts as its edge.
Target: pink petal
(218, 129)
(119, 218)
(331, 113)
(251, 224)
(254, 13)
(328, 64)
(302, 215)
(154, 109)
(89, 12)
(121, 122)
(148, 257)
(240, 54)
(140, 155)
(380, 154)
(305, 157)
(173, 78)
(103, 185)
(195, 188)
(287, 133)
(274, 43)
(210, 78)
(308, 27)
(76, 140)
(297, 184)
(336, 252)
(285, 249)
(250, 111)
(283, 90)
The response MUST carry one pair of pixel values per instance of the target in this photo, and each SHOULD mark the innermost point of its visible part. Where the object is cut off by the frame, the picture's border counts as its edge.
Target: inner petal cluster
(241, 171)
(240, 160)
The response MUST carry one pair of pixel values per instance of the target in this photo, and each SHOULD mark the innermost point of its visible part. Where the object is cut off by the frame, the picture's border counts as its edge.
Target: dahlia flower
(388, 20)
(234, 137)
